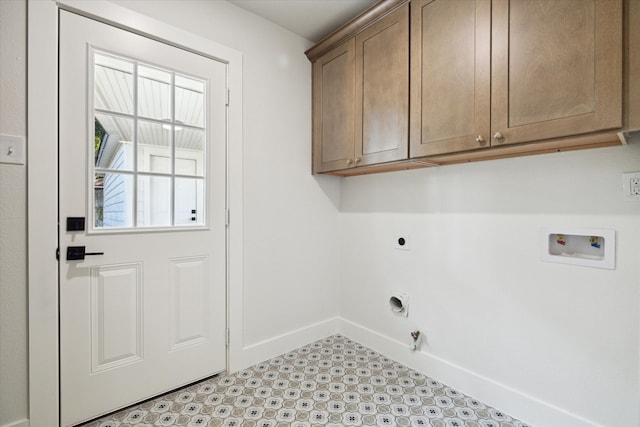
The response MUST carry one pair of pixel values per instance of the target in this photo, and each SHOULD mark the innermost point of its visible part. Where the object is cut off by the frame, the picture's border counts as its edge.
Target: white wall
(13, 228)
(487, 305)
(485, 302)
(291, 218)
(291, 275)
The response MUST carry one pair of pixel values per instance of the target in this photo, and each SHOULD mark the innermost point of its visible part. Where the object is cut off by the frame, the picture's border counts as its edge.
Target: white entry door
(142, 217)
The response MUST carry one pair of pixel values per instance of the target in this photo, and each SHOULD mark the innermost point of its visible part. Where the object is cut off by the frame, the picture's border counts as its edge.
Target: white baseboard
(272, 347)
(21, 423)
(514, 402)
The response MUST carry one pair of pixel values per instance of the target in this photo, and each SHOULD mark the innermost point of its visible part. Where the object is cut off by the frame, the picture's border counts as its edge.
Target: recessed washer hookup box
(588, 247)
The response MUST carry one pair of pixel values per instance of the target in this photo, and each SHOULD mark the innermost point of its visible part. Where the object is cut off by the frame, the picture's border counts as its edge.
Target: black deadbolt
(401, 241)
(75, 223)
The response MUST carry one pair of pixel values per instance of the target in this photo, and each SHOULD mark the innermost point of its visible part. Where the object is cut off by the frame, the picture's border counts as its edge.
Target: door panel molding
(116, 340)
(190, 306)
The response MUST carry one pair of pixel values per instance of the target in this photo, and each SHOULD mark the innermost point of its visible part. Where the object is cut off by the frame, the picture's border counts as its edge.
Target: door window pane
(189, 101)
(154, 201)
(113, 142)
(154, 139)
(189, 201)
(190, 144)
(113, 83)
(146, 147)
(154, 93)
(113, 200)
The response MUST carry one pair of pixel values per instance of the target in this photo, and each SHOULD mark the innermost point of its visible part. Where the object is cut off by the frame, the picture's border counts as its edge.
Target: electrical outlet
(631, 186)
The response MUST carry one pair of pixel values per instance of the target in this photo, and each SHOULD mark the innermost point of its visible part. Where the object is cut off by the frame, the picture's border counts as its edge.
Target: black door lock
(75, 253)
(75, 223)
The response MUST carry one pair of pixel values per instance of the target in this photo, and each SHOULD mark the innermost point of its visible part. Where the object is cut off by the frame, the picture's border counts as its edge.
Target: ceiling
(311, 19)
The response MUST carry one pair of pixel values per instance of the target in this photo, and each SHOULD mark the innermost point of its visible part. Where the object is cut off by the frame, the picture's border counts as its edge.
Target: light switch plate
(12, 149)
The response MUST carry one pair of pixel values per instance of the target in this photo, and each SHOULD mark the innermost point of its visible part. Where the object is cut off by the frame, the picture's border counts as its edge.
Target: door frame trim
(42, 183)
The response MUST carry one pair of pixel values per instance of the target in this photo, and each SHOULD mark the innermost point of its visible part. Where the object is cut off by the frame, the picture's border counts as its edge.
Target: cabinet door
(450, 76)
(382, 90)
(333, 109)
(557, 68)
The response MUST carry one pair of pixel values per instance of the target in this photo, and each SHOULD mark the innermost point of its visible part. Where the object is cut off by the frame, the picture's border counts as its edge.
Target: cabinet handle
(498, 136)
(349, 162)
(358, 160)
(480, 140)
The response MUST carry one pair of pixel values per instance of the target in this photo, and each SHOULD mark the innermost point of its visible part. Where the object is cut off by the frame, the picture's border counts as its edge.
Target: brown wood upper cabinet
(492, 73)
(361, 94)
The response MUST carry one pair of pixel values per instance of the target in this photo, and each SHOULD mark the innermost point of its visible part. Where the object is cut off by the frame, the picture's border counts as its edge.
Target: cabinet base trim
(527, 149)
(493, 153)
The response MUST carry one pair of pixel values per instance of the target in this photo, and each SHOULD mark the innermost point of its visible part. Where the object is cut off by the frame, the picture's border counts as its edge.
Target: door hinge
(227, 218)
(228, 96)
(58, 254)
(227, 336)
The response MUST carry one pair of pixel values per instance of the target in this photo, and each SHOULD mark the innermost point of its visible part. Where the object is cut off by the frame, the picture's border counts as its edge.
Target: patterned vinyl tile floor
(331, 382)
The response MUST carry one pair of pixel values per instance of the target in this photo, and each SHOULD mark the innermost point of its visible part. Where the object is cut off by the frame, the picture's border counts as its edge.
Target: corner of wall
(493, 393)
(243, 357)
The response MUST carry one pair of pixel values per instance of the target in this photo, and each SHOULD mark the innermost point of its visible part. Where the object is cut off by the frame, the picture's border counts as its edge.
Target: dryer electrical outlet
(631, 186)
(402, 242)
